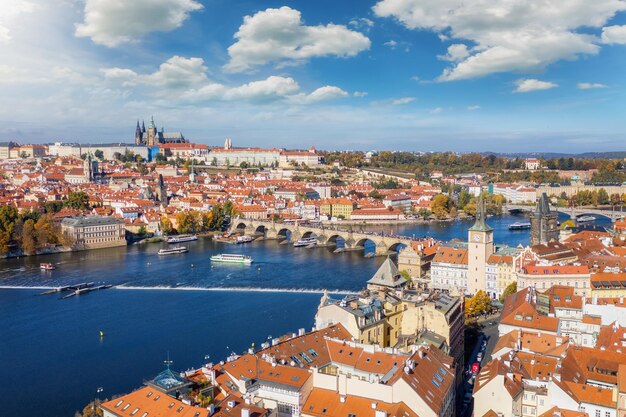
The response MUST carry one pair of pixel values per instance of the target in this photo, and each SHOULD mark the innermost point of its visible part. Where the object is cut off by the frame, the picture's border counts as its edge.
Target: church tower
(543, 223)
(152, 134)
(138, 134)
(480, 248)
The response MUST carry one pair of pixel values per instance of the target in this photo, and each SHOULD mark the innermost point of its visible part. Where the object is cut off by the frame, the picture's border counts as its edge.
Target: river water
(53, 359)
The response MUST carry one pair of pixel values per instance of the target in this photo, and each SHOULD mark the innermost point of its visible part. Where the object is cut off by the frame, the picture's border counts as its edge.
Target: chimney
(380, 414)
(301, 332)
(374, 405)
(342, 399)
(245, 412)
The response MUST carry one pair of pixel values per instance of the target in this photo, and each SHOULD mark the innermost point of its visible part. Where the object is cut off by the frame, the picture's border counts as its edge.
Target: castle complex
(153, 137)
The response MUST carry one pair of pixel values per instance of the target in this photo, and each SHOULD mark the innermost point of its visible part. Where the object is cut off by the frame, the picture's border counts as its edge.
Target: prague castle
(153, 137)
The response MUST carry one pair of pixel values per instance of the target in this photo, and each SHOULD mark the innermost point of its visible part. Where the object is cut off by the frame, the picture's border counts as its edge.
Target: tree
(464, 198)
(29, 244)
(77, 200)
(243, 165)
(8, 217)
(406, 276)
(603, 196)
(479, 304)
(99, 154)
(441, 206)
(509, 290)
(424, 213)
(160, 157)
(166, 225)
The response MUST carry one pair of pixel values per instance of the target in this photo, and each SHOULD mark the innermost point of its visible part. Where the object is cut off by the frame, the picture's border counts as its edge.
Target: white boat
(232, 258)
(175, 249)
(308, 241)
(585, 219)
(519, 226)
(244, 239)
(182, 238)
(47, 266)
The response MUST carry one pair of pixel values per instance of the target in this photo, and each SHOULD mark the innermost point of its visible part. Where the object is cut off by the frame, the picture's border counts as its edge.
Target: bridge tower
(543, 223)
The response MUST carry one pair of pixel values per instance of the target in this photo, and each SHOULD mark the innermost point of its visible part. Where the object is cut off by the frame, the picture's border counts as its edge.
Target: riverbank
(47, 251)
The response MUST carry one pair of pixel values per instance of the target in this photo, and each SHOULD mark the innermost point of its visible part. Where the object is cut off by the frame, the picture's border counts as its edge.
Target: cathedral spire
(143, 126)
(481, 214)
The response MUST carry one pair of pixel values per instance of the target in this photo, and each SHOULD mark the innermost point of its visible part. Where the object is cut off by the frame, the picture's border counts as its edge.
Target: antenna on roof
(168, 362)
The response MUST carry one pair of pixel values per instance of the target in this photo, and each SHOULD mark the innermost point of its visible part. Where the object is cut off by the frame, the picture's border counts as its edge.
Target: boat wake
(238, 289)
(25, 287)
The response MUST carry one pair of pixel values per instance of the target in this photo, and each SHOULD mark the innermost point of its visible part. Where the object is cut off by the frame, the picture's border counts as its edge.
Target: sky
(417, 75)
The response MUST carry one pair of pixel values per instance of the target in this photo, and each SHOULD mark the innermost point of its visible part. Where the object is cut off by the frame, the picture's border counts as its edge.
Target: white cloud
(456, 52)
(271, 88)
(112, 22)
(392, 44)
(473, 108)
(11, 9)
(509, 35)
(279, 36)
(614, 34)
(402, 100)
(589, 86)
(360, 94)
(436, 110)
(362, 23)
(185, 80)
(531, 84)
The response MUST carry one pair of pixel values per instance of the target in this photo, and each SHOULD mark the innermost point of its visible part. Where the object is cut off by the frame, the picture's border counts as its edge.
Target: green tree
(99, 154)
(424, 213)
(243, 165)
(603, 196)
(464, 198)
(8, 217)
(509, 290)
(77, 200)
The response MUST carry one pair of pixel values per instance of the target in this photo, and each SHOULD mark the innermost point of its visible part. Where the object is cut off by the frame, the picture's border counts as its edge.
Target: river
(53, 359)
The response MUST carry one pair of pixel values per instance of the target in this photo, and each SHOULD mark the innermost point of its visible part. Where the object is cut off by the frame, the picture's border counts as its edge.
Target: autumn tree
(29, 244)
(166, 225)
(479, 304)
(441, 206)
(509, 290)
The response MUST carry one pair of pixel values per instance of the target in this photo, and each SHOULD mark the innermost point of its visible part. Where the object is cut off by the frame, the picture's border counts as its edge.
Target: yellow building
(337, 207)
(608, 284)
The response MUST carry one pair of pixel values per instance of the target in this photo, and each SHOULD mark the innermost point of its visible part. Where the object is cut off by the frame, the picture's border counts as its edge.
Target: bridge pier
(381, 249)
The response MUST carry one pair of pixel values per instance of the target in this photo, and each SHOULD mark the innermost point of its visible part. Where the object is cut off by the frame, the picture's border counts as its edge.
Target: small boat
(175, 249)
(307, 241)
(232, 258)
(585, 219)
(244, 239)
(182, 238)
(46, 266)
(519, 226)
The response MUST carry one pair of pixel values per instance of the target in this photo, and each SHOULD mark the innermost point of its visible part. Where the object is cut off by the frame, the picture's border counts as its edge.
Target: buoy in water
(101, 333)
(192, 265)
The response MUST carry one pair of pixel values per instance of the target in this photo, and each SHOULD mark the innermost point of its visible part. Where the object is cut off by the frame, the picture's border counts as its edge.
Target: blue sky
(423, 75)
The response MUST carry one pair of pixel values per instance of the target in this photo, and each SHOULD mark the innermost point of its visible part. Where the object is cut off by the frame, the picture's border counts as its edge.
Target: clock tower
(480, 248)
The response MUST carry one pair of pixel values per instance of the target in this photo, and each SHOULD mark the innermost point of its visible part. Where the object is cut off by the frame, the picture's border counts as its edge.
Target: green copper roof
(480, 225)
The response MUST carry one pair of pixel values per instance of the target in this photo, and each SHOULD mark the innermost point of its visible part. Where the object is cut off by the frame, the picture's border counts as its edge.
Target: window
(597, 413)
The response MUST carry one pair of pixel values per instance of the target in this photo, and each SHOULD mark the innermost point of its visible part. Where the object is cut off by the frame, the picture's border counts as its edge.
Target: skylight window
(313, 353)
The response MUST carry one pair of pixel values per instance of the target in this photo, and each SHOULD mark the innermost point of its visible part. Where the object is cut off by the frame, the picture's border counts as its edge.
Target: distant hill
(555, 155)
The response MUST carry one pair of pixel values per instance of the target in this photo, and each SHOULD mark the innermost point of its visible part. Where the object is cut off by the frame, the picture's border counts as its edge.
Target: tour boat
(175, 249)
(308, 241)
(232, 258)
(47, 266)
(585, 219)
(182, 238)
(244, 239)
(519, 226)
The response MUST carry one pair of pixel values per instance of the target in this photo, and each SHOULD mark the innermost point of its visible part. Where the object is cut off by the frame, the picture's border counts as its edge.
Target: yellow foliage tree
(479, 304)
